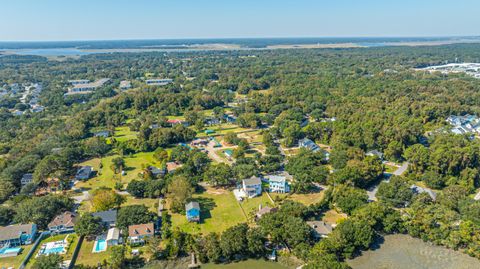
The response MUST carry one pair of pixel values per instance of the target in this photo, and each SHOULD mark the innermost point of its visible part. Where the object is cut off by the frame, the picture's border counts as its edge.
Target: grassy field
(106, 178)
(222, 129)
(86, 257)
(306, 198)
(219, 211)
(54, 238)
(15, 261)
(124, 134)
(152, 204)
(245, 264)
(333, 217)
(251, 205)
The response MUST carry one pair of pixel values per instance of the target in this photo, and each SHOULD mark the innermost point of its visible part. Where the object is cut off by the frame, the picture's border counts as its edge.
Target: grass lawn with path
(252, 204)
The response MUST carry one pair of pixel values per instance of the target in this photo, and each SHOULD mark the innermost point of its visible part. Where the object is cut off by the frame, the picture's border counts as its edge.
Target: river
(405, 252)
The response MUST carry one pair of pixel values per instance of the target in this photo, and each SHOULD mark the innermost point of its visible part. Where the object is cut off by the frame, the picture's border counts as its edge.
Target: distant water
(406, 252)
(52, 52)
(372, 45)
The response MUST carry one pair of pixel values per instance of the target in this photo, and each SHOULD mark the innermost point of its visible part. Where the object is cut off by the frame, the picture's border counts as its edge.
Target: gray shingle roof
(252, 181)
(107, 216)
(192, 205)
(14, 231)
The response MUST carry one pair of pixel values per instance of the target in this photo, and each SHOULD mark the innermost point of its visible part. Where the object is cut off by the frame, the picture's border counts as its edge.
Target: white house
(158, 82)
(26, 179)
(252, 186)
(113, 237)
(278, 184)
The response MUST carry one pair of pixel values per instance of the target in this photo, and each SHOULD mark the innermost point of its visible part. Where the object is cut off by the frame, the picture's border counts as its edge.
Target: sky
(52, 20)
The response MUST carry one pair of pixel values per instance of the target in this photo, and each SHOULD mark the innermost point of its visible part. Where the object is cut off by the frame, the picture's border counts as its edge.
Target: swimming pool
(100, 245)
(10, 250)
(58, 247)
(54, 250)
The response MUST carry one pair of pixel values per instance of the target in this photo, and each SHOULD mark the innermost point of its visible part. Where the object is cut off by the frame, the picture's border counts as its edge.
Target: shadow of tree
(206, 205)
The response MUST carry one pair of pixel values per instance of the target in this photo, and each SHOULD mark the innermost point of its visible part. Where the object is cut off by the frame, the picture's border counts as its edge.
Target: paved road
(401, 169)
(373, 190)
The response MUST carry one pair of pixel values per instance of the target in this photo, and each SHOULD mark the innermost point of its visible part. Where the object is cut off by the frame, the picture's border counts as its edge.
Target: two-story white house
(278, 184)
(252, 186)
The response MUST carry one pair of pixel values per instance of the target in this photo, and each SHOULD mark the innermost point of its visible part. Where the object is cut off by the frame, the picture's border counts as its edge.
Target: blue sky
(157, 19)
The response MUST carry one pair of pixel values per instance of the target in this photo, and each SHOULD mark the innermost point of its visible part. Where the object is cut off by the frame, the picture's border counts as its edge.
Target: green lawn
(219, 211)
(333, 217)
(124, 134)
(251, 205)
(106, 178)
(151, 203)
(390, 168)
(306, 199)
(86, 257)
(17, 260)
(222, 129)
(245, 264)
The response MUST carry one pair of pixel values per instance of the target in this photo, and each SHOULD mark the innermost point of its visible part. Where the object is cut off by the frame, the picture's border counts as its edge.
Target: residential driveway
(372, 191)
(401, 169)
(212, 153)
(80, 198)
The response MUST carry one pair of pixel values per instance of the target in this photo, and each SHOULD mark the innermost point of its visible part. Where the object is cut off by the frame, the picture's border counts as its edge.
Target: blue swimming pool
(56, 250)
(10, 250)
(101, 245)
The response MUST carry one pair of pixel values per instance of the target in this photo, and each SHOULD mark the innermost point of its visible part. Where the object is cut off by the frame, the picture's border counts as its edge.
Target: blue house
(308, 144)
(16, 235)
(193, 211)
(278, 184)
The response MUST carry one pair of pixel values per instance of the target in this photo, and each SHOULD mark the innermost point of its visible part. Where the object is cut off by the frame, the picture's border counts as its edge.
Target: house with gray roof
(17, 235)
(26, 179)
(320, 229)
(109, 218)
(308, 144)
(252, 186)
(84, 173)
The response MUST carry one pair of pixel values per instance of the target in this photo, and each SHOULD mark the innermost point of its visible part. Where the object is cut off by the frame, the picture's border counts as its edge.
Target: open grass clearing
(304, 198)
(86, 257)
(219, 211)
(107, 178)
(333, 217)
(124, 134)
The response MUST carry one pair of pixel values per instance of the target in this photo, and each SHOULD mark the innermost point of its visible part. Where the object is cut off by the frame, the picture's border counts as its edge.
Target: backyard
(72, 243)
(219, 211)
(105, 176)
(17, 260)
(86, 257)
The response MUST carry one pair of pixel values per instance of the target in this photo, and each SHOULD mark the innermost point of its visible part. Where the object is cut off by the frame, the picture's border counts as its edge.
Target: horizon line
(238, 38)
